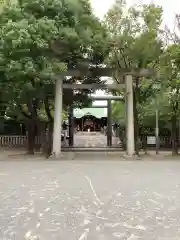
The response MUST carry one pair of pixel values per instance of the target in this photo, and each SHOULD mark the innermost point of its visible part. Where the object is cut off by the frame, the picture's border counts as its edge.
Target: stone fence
(165, 142)
(15, 141)
(19, 141)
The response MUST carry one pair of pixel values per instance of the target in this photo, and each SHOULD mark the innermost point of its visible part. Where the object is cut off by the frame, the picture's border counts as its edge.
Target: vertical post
(157, 86)
(178, 132)
(157, 132)
(129, 116)
(57, 118)
(109, 125)
(71, 127)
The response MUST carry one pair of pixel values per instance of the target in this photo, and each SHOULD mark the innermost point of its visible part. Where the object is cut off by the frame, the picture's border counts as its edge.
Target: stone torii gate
(126, 79)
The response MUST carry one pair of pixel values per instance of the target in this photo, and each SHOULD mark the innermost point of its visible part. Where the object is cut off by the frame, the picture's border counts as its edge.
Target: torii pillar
(56, 150)
(130, 146)
(71, 126)
(109, 124)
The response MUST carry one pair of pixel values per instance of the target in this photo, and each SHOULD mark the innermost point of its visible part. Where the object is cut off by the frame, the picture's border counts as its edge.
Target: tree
(39, 40)
(169, 74)
(135, 44)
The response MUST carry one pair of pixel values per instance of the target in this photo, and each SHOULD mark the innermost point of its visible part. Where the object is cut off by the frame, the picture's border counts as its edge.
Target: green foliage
(38, 41)
(137, 42)
(118, 113)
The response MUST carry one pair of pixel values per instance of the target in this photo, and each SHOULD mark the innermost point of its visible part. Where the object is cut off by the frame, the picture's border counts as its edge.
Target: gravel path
(89, 200)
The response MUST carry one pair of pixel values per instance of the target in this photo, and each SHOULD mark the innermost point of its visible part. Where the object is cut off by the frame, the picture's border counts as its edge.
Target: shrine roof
(96, 112)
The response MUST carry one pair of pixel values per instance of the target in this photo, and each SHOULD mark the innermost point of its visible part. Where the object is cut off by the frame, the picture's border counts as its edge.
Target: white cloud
(170, 7)
(101, 6)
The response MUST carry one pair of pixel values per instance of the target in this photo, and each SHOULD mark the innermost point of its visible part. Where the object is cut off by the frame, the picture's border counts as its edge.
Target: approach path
(93, 139)
(78, 200)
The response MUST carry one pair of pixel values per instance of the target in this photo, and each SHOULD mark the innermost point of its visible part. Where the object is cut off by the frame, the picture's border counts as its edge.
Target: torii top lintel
(107, 72)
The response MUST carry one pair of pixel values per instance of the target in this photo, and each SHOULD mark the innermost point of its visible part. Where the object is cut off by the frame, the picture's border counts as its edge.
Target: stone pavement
(93, 139)
(90, 200)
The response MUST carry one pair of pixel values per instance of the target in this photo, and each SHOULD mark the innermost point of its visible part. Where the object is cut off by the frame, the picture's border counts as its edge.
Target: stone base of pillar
(56, 157)
(63, 156)
(131, 158)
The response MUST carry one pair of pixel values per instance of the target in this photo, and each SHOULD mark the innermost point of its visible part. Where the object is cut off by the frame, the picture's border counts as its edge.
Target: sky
(170, 7)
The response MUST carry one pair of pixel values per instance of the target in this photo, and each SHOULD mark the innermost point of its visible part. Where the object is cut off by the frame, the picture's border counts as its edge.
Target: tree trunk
(43, 137)
(47, 148)
(32, 126)
(39, 133)
(174, 135)
(31, 137)
(49, 134)
(50, 137)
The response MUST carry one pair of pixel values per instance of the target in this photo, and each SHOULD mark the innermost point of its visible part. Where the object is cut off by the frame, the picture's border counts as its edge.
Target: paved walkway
(89, 200)
(93, 139)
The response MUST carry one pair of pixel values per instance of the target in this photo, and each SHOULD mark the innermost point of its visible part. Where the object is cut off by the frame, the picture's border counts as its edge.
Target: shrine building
(90, 119)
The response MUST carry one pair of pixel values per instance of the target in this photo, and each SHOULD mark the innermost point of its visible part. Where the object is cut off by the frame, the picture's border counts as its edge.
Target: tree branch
(122, 54)
(23, 113)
